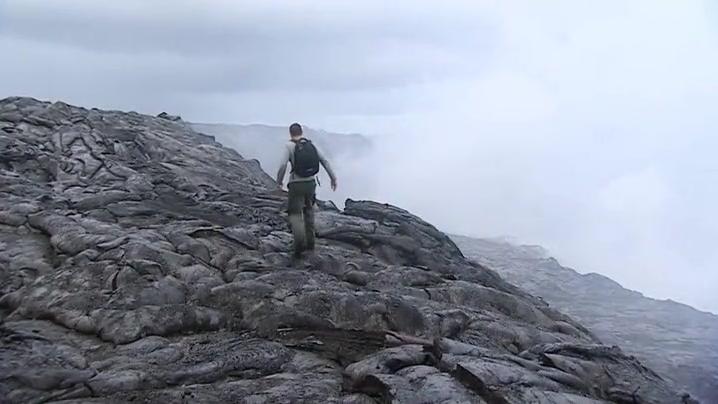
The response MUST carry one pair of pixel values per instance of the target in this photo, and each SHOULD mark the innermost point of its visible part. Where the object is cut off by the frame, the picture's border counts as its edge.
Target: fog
(587, 127)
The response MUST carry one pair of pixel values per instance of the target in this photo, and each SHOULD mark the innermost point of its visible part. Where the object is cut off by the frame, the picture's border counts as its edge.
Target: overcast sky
(590, 127)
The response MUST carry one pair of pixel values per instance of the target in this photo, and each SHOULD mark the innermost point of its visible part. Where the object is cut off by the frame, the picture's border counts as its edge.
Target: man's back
(305, 162)
(288, 157)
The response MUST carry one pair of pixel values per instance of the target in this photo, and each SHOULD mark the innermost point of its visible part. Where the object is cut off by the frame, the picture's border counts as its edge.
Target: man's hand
(334, 184)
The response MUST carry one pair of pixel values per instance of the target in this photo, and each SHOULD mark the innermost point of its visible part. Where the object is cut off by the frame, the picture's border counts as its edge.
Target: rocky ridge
(141, 261)
(349, 154)
(678, 341)
(263, 141)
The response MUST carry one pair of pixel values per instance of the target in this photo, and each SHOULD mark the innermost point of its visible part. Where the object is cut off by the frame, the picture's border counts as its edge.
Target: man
(305, 159)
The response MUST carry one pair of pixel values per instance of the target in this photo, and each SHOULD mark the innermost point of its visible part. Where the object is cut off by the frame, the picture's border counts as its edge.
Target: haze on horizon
(587, 127)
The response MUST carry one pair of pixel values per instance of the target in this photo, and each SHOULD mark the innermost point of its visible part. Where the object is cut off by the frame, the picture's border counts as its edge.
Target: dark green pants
(301, 214)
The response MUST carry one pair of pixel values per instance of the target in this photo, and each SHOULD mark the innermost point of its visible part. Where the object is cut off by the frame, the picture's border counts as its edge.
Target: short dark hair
(295, 129)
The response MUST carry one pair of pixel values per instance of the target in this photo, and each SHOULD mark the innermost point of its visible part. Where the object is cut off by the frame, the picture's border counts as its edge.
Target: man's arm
(328, 167)
(283, 167)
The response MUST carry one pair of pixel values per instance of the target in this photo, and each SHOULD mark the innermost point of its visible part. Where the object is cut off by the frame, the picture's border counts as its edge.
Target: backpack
(306, 159)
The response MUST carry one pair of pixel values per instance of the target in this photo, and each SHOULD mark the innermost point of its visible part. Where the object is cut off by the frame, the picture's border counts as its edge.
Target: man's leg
(296, 221)
(309, 201)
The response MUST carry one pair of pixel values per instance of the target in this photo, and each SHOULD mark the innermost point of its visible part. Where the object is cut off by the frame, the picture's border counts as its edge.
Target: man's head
(295, 131)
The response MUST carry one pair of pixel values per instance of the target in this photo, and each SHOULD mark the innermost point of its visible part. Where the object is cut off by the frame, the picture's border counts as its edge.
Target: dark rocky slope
(679, 342)
(141, 261)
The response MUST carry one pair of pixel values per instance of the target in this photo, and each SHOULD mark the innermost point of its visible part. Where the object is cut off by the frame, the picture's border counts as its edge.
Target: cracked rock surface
(141, 261)
(676, 340)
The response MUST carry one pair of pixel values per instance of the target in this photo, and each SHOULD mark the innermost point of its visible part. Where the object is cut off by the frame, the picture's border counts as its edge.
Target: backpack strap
(292, 155)
(296, 143)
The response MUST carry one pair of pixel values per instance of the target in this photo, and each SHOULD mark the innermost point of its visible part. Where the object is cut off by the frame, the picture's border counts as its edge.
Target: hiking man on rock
(305, 159)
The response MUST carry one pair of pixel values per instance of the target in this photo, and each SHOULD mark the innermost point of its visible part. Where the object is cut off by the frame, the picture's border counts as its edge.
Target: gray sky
(588, 127)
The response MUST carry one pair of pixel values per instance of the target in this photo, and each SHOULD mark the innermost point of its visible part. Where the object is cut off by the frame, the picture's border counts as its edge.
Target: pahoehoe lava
(141, 261)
